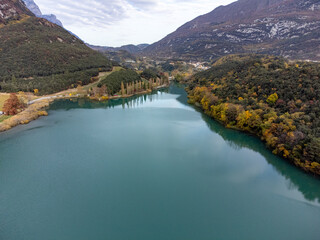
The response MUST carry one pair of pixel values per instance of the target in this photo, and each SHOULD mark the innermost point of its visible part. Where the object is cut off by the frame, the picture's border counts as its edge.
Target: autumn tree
(96, 91)
(231, 113)
(12, 105)
(122, 89)
(103, 90)
(127, 88)
(272, 99)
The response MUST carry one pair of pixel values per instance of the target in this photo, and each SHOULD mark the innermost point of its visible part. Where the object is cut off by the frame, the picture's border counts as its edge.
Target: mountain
(289, 28)
(133, 49)
(33, 7)
(37, 54)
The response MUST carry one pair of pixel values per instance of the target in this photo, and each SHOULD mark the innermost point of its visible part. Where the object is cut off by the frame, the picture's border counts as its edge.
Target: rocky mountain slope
(37, 54)
(33, 7)
(290, 28)
(12, 11)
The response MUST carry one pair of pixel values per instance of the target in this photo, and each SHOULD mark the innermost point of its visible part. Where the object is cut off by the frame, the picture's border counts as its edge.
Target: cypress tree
(122, 89)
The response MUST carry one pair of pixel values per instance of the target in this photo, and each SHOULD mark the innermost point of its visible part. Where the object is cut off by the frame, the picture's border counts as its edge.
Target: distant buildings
(130, 61)
(199, 65)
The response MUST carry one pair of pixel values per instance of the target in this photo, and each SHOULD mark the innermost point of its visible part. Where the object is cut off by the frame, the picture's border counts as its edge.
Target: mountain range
(130, 48)
(289, 28)
(33, 7)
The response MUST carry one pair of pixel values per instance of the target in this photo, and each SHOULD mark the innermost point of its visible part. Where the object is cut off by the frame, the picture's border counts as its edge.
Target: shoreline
(37, 108)
(31, 113)
(305, 167)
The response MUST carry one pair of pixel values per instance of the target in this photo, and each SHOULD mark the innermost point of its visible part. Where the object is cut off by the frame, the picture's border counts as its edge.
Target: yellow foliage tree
(273, 98)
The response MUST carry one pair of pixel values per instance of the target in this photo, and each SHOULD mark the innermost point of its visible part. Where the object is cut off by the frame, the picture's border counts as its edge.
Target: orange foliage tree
(12, 105)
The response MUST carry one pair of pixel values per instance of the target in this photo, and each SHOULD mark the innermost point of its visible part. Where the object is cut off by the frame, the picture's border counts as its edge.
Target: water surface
(147, 168)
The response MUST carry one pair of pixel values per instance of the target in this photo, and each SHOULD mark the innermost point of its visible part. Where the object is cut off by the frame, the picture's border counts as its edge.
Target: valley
(212, 132)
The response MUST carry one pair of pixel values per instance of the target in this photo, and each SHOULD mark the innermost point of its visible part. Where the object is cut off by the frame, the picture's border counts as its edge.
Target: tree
(12, 105)
(272, 99)
(123, 92)
(151, 84)
(14, 79)
(103, 90)
(231, 113)
(96, 91)
(148, 74)
(128, 90)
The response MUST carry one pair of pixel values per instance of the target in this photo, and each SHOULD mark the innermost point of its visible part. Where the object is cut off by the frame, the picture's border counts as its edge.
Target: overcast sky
(119, 22)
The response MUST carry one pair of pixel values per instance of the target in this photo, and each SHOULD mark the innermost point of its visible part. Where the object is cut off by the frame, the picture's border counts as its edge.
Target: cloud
(119, 22)
(142, 5)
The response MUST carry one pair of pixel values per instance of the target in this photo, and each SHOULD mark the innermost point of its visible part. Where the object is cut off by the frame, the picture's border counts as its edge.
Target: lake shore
(312, 168)
(32, 112)
(37, 107)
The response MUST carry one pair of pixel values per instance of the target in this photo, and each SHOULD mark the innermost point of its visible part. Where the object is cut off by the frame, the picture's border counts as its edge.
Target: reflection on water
(132, 102)
(297, 179)
(306, 184)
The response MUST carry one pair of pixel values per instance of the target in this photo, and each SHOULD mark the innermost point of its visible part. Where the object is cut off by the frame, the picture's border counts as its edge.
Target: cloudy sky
(119, 22)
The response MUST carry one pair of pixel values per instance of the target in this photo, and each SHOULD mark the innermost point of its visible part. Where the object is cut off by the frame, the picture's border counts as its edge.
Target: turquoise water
(147, 168)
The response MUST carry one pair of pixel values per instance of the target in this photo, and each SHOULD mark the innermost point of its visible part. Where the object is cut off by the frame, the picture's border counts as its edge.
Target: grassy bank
(31, 113)
(3, 98)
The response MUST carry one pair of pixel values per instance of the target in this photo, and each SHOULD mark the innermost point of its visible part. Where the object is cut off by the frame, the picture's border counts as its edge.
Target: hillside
(143, 81)
(114, 80)
(269, 97)
(37, 54)
(289, 28)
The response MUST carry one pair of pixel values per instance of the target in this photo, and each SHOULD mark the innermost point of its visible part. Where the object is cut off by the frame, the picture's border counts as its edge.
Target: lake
(148, 168)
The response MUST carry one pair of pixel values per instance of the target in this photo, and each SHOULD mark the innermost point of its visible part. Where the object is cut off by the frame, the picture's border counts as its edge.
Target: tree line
(128, 82)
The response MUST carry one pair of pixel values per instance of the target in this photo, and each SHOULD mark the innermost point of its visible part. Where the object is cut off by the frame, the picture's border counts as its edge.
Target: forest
(36, 54)
(115, 80)
(269, 97)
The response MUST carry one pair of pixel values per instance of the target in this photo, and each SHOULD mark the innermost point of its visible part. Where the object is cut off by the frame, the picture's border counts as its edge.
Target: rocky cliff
(34, 8)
